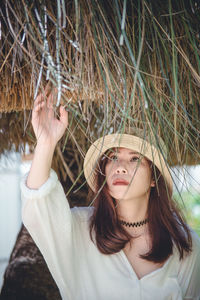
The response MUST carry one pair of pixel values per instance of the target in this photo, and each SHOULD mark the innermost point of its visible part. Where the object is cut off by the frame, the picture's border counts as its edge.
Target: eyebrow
(118, 151)
(134, 152)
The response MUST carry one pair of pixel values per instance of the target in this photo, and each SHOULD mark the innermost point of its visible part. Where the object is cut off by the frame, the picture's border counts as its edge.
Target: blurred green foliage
(190, 204)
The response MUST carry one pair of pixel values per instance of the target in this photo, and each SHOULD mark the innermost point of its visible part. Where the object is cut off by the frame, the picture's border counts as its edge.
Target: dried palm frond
(122, 64)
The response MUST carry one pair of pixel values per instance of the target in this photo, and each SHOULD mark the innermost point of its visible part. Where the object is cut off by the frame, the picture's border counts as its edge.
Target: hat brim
(100, 146)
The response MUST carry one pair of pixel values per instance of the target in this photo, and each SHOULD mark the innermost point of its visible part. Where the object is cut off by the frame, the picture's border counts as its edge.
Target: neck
(132, 210)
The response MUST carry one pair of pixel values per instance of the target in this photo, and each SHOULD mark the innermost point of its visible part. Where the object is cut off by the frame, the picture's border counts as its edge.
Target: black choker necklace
(135, 224)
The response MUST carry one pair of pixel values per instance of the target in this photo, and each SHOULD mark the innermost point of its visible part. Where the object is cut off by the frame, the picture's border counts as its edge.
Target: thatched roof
(122, 63)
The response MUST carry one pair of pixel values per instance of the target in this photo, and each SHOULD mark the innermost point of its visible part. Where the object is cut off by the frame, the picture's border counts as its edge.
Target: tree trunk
(27, 275)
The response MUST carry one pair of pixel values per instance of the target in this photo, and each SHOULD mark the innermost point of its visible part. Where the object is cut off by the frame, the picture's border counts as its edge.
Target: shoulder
(195, 243)
(192, 258)
(82, 214)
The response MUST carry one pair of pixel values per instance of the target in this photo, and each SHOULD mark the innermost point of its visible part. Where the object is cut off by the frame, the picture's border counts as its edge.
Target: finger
(38, 99)
(39, 106)
(43, 94)
(47, 89)
(63, 116)
(51, 100)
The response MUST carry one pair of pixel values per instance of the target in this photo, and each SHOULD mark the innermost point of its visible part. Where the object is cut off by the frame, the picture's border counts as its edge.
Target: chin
(124, 199)
(120, 196)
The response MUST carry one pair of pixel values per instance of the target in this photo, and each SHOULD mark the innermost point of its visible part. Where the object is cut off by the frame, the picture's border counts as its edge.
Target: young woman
(132, 243)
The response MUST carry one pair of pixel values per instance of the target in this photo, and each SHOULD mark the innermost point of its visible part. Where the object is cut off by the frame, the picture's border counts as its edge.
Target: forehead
(122, 150)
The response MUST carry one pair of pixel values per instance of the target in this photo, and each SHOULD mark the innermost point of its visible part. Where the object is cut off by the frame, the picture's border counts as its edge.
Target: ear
(153, 183)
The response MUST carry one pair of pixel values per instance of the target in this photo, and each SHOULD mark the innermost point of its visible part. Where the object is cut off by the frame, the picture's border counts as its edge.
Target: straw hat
(150, 147)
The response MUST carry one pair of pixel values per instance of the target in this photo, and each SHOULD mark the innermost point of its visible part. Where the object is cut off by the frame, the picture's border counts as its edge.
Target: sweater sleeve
(47, 216)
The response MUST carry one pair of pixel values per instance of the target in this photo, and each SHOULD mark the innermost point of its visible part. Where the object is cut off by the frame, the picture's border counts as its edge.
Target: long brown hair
(166, 223)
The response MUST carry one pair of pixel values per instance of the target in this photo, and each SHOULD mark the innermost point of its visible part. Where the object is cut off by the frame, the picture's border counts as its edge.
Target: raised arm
(48, 130)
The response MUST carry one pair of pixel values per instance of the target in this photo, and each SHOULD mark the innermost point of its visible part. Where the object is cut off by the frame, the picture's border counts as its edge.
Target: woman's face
(128, 174)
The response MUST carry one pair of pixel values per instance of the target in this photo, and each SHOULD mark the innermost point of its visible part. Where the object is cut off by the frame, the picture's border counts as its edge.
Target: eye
(135, 158)
(113, 158)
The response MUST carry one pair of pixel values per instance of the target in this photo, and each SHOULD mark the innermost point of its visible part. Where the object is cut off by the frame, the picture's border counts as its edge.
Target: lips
(120, 182)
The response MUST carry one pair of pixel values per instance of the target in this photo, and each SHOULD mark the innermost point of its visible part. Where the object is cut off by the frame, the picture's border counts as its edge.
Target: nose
(121, 170)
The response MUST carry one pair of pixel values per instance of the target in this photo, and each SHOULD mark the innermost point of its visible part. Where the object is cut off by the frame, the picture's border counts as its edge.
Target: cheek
(108, 173)
(108, 169)
(141, 175)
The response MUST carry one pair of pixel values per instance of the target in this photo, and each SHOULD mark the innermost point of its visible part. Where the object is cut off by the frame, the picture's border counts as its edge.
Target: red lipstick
(120, 182)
